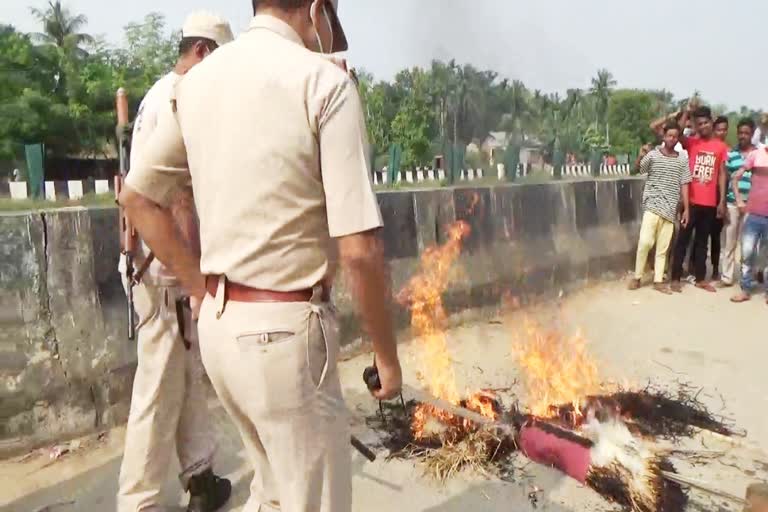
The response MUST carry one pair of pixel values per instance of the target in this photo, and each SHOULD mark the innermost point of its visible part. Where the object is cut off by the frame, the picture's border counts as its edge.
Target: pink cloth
(550, 449)
(757, 162)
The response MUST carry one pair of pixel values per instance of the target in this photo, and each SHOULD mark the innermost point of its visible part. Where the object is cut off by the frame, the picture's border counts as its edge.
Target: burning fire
(556, 369)
(423, 295)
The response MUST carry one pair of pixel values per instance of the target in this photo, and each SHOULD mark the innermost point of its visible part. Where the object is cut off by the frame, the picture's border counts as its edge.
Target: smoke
(520, 40)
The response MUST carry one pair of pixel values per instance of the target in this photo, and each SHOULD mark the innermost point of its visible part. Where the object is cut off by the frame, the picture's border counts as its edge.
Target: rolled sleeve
(162, 167)
(645, 163)
(685, 172)
(345, 167)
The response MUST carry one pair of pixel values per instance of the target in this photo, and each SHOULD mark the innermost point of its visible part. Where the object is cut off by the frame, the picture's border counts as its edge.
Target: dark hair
(747, 121)
(702, 112)
(287, 5)
(187, 43)
(721, 120)
(671, 125)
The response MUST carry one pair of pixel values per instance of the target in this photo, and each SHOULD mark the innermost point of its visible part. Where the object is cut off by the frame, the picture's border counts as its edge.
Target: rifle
(128, 239)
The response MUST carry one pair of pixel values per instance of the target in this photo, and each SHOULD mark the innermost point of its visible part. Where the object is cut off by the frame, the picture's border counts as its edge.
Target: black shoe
(208, 492)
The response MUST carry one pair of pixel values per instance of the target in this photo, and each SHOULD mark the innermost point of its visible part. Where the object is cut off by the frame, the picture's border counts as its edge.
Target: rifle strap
(143, 268)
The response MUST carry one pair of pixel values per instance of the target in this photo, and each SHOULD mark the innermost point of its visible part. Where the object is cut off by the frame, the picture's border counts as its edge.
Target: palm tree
(602, 86)
(467, 99)
(441, 83)
(61, 28)
(518, 117)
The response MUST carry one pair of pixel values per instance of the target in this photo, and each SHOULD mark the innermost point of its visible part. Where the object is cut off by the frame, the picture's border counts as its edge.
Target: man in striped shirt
(735, 218)
(668, 177)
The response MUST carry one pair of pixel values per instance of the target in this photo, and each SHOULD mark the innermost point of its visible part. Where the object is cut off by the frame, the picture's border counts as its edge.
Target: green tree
(518, 117)
(602, 87)
(27, 107)
(414, 125)
(380, 110)
(61, 28)
(149, 52)
(630, 114)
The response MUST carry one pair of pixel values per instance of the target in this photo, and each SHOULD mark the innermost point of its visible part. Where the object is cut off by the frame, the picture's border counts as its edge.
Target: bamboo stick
(701, 486)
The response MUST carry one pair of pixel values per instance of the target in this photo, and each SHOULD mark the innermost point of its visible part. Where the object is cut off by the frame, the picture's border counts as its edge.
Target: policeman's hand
(391, 378)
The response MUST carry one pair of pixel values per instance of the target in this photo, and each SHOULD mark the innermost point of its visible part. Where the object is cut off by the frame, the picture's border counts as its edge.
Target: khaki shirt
(144, 126)
(273, 139)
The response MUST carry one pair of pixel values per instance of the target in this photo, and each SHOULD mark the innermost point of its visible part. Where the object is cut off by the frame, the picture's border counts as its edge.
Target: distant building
(495, 144)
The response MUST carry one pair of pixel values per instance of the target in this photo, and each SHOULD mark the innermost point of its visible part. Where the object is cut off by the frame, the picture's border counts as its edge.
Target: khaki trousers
(274, 368)
(168, 405)
(731, 255)
(657, 231)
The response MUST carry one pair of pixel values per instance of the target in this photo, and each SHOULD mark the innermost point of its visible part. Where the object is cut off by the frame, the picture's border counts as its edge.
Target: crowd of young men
(699, 189)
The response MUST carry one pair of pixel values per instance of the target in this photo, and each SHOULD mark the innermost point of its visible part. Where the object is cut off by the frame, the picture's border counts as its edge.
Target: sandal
(706, 286)
(676, 287)
(742, 297)
(662, 288)
(634, 284)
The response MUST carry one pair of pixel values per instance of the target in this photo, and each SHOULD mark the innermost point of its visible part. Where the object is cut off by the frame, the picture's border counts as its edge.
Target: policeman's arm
(354, 219)
(362, 259)
(159, 231)
(150, 187)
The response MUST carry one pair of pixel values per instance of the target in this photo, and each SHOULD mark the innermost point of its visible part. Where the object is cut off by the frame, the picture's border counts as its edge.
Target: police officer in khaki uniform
(272, 138)
(168, 405)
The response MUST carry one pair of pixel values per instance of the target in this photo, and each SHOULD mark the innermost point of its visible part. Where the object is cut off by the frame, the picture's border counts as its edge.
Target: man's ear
(201, 50)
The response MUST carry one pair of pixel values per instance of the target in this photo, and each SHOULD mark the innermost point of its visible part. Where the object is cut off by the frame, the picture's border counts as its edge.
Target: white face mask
(330, 29)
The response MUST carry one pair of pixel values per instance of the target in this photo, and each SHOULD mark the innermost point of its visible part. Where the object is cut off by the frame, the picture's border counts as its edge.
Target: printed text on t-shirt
(704, 168)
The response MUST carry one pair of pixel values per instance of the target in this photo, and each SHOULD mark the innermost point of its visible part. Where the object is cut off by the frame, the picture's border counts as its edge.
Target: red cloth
(706, 158)
(565, 454)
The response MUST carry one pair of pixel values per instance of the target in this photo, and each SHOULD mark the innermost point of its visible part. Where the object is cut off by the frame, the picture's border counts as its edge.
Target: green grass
(10, 205)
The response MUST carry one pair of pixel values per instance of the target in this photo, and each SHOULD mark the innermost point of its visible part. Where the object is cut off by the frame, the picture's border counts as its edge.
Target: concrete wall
(66, 365)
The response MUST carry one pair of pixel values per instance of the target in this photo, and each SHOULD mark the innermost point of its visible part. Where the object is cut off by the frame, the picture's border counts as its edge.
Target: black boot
(208, 492)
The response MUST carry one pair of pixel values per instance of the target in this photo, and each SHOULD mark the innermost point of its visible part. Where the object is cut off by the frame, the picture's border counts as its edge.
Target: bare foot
(676, 287)
(634, 284)
(662, 288)
(706, 286)
(741, 297)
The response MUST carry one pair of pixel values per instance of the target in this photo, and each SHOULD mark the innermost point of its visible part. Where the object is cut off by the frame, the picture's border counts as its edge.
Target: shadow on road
(91, 490)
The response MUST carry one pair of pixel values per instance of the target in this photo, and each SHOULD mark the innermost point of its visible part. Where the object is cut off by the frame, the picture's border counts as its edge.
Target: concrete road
(637, 336)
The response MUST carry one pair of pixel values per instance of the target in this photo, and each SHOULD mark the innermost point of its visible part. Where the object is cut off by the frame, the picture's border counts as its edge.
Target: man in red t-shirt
(707, 156)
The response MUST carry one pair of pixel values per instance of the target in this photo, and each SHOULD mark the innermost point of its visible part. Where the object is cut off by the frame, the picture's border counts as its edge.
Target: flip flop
(706, 287)
(742, 297)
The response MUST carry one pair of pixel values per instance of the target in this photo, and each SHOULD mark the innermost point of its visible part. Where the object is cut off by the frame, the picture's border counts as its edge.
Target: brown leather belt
(241, 293)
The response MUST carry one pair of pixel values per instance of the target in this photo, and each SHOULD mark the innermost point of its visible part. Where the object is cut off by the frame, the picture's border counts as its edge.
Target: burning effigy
(602, 436)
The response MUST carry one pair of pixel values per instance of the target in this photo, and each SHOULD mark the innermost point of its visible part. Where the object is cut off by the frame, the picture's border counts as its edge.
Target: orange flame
(423, 294)
(556, 370)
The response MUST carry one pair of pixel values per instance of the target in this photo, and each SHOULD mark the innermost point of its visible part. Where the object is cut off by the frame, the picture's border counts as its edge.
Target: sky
(552, 45)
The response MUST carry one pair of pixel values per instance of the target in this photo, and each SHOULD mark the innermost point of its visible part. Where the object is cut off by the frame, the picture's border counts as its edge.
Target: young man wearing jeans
(755, 228)
(735, 219)
(707, 156)
(668, 176)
